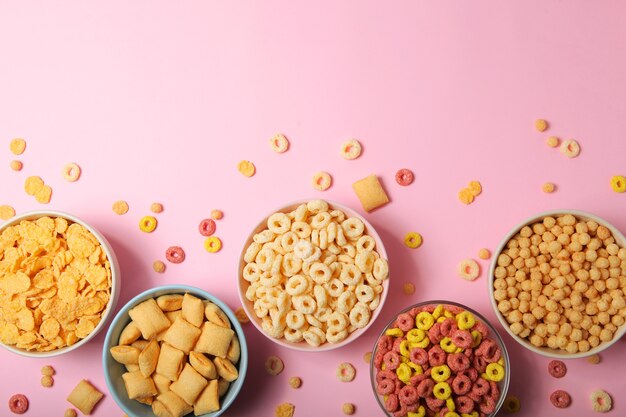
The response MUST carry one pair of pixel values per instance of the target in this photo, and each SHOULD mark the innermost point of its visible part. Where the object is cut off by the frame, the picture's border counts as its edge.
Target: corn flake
(44, 194)
(17, 146)
(6, 212)
(247, 168)
(33, 184)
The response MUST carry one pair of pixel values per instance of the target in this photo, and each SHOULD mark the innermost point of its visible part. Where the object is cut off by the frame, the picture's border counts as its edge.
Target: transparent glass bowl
(503, 385)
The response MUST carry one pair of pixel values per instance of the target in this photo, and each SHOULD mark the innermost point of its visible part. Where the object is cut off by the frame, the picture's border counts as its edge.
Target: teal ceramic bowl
(113, 371)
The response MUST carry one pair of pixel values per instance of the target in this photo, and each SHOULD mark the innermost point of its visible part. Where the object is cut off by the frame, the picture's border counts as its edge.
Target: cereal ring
(17, 146)
(413, 240)
(480, 387)
(468, 269)
(570, 148)
(618, 183)
(458, 362)
(488, 405)
(175, 254)
(360, 315)
(47, 381)
(461, 384)
(322, 181)
(434, 404)
(475, 188)
(601, 401)
(71, 172)
(345, 372)
(548, 187)
(512, 404)
(156, 208)
(295, 319)
(405, 322)
(385, 386)
(465, 320)
(440, 373)
(560, 399)
(464, 404)
(381, 269)
(442, 391)
(6, 212)
(274, 365)
(147, 224)
(436, 356)
(207, 227)
(404, 372)
(16, 165)
(213, 244)
(18, 404)
(158, 267)
(295, 382)
(471, 373)
(351, 149)
(217, 214)
(418, 356)
(247, 168)
(448, 326)
(391, 360)
(447, 345)
(279, 223)
(465, 196)
(408, 395)
(391, 402)
(279, 143)
(404, 177)
(434, 333)
(541, 125)
(424, 320)
(495, 372)
(557, 368)
(120, 207)
(462, 338)
(425, 388)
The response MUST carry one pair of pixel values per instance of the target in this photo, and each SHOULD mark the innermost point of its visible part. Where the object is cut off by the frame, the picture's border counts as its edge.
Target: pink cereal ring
(425, 388)
(454, 309)
(391, 403)
(18, 404)
(175, 254)
(416, 379)
(436, 356)
(408, 395)
(557, 368)
(418, 356)
(469, 353)
(480, 387)
(461, 384)
(462, 338)
(415, 311)
(475, 397)
(402, 411)
(385, 387)
(464, 404)
(560, 399)
(486, 348)
(487, 406)
(396, 345)
(471, 373)
(378, 359)
(448, 326)
(404, 177)
(458, 362)
(385, 343)
(405, 322)
(391, 360)
(444, 411)
(482, 328)
(207, 227)
(434, 404)
(434, 333)
(493, 355)
(480, 363)
(386, 374)
(494, 391)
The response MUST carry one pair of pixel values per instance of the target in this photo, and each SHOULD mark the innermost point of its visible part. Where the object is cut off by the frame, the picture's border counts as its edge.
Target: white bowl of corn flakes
(59, 283)
(313, 275)
(557, 283)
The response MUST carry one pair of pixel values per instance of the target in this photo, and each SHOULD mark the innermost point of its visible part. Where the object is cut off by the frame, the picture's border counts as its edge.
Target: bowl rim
(122, 315)
(545, 351)
(115, 279)
(507, 377)
(303, 346)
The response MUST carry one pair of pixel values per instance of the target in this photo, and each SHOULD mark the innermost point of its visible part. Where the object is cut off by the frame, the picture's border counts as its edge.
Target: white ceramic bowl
(243, 284)
(115, 280)
(546, 351)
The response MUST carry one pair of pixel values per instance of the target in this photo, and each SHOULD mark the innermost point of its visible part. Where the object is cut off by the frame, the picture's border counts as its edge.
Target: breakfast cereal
(484, 254)
(44, 194)
(18, 404)
(17, 146)
(370, 193)
(552, 141)
(413, 240)
(33, 184)
(404, 177)
(548, 187)
(295, 382)
(284, 410)
(213, 244)
(468, 269)
(47, 370)
(601, 401)
(348, 409)
(120, 207)
(557, 368)
(351, 149)
(541, 125)
(408, 288)
(279, 143)
(85, 397)
(217, 214)
(6, 212)
(207, 227)
(618, 183)
(70, 412)
(158, 266)
(241, 315)
(367, 357)
(594, 359)
(156, 208)
(175, 254)
(71, 172)
(148, 224)
(512, 404)
(47, 381)
(475, 187)
(560, 399)
(246, 168)
(16, 165)
(322, 181)
(346, 372)
(274, 365)
(465, 196)
(570, 148)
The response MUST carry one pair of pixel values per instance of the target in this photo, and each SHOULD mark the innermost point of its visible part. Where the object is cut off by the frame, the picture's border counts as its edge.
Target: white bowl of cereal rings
(557, 284)
(175, 350)
(439, 358)
(59, 283)
(313, 275)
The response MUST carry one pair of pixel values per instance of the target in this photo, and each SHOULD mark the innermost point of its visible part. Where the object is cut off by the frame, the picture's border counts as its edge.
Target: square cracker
(85, 397)
(370, 192)
(214, 340)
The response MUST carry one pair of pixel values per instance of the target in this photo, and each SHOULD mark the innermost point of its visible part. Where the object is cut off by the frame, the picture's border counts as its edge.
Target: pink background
(158, 101)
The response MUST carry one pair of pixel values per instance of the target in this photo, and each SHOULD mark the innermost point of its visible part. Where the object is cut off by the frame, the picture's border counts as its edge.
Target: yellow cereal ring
(442, 391)
(500, 361)
(213, 244)
(404, 348)
(421, 412)
(148, 224)
(421, 344)
(438, 312)
(424, 320)
(495, 372)
(395, 332)
(417, 368)
(475, 188)
(440, 373)
(441, 319)
(447, 345)
(465, 320)
(452, 407)
(477, 337)
(413, 240)
(415, 335)
(404, 372)
(618, 183)
(404, 359)
(447, 314)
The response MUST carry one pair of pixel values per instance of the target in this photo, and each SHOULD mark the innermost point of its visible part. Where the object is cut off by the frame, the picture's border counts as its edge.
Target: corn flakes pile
(55, 282)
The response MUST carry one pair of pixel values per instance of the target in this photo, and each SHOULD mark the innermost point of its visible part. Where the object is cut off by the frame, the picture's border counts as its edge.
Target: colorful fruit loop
(18, 404)
(560, 399)
(601, 401)
(175, 254)
(212, 244)
(413, 240)
(557, 368)
(351, 149)
(404, 177)
(207, 227)
(148, 224)
(279, 143)
(440, 358)
(618, 183)
(71, 172)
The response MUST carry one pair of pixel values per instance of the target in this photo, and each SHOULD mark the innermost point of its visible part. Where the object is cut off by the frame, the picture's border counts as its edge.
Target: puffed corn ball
(560, 283)
(541, 125)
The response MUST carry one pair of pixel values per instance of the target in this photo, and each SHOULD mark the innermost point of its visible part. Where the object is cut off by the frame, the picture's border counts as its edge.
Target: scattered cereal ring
(284, 410)
(274, 365)
(16, 165)
(484, 253)
(552, 141)
(217, 214)
(120, 207)
(147, 224)
(279, 143)
(541, 125)
(468, 269)
(213, 244)
(295, 382)
(33, 184)
(351, 149)
(241, 315)
(71, 172)
(618, 183)
(345, 372)
(175, 254)
(466, 196)
(348, 408)
(570, 148)
(207, 227)
(47, 381)
(158, 266)
(601, 401)
(17, 146)
(560, 399)
(156, 208)
(512, 404)
(247, 168)
(413, 240)
(475, 188)
(594, 359)
(322, 181)
(6, 212)
(404, 177)
(47, 370)
(44, 194)
(70, 412)
(18, 404)
(557, 368)
(548, 187)
(408, 288)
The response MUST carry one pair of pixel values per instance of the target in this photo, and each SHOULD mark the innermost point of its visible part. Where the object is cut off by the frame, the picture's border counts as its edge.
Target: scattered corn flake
(594, 359)
(120, 207)
(279, 143)
(466, 196)
(468, 269)
(16, 165)
(47, 370)
(71, 172)
(33, 184)
(47, 381)
(541, 125)
(217, 214)
(295, 382)
(44, 195)
(284, 410)
(408, 288)
(17, 146)
(367, 357)
(618, 183)
(241, 315)
(158, 266)
(370, 193)
(6, 212)
(351, 149)
(553, 141)
(247, 168)
(484, 254)
(475, 188)
(548, 187)
(348, 409)
(322, 181)
(570, 148)
(156, 208)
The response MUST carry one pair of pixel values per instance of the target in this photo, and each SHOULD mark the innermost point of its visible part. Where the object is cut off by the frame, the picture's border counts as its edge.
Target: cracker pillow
(182, 335)
(189, 384)
(208, 401)
(214, 340)
(170, 362)
(138, 386)
(149, 318)
(85, 397)
(370, 192)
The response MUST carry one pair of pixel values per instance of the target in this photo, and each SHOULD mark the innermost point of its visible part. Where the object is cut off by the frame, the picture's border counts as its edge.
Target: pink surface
(158, 101)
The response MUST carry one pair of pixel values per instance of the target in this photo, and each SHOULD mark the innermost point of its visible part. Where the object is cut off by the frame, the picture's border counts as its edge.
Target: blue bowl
(113, 371)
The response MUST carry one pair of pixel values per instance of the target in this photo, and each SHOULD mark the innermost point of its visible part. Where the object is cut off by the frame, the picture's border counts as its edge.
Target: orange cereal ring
(570, 148)
(466, 196)
(322, 181)
(541, 125)
(175, 254)
(17, 146)
(158, 266)
(71, 172)
(618, 183)
(120, 207)
(475, 188)
(156, 208)
(213, 244)
(247, 168)
(279, 143)
(413, 240)
(147, 224)
(16, 165)
(468, 269)
(351, 149)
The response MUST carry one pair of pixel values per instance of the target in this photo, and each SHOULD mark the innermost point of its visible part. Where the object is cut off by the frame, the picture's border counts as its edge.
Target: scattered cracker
(541, 125)
(408, 288)
(346, 372)
(553, 141)
(367, 357)
(120, 207)
(295, 382)
(85, 397)
(158, 266)
(274, 365)
(484, 254)
(156, 207)
(6, 212)
(548, 187)
(594, 359)
(247, 168)
(17, 146)
(47, 381)
(279, 143)
(47, 370)
(348, 409)
(16, 165)
(241, 315)
(322, 181)
(70, 412)
(217, 214)
(351, 149)
(370, 193)
(285, 410)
